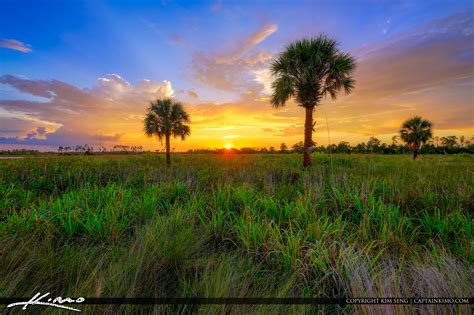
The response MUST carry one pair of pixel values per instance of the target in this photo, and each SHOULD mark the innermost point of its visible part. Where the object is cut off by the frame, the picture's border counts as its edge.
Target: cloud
(71, 115)
(245, 45)
(113, 86)
(39, 133)
(427, 71)
(14, 44)
(192, 94)
(60, 137)
(239, 69)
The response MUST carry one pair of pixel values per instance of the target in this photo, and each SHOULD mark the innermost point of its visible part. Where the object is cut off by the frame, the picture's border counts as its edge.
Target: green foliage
(310, 69)
(166, 117)
(240, 225)
(416, 132)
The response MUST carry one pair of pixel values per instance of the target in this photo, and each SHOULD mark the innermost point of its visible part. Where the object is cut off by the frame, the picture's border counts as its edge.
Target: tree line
(437, 145)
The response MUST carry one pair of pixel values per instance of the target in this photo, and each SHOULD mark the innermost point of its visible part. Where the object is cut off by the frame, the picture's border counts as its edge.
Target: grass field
(239, 226)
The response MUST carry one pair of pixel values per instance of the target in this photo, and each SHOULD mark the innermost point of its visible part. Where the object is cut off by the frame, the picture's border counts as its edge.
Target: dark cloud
(59, 137)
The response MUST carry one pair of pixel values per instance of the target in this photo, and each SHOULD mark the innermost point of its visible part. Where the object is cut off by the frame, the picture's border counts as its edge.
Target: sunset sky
(77, 72)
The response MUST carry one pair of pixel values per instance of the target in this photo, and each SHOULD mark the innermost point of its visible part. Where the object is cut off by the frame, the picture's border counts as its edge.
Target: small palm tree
(416, 132)
(310, 69)
(166, 118)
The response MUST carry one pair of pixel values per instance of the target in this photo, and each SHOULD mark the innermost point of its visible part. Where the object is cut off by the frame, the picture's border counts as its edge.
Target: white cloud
(264, 77)
(241, 69)
(114, 87)
(245, 45)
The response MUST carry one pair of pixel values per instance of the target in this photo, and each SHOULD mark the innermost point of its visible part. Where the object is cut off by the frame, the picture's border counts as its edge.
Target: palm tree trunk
(308, 136)
(168, 157)
(415, 147)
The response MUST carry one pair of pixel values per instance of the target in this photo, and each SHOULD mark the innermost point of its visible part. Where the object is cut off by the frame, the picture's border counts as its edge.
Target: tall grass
(242, 226)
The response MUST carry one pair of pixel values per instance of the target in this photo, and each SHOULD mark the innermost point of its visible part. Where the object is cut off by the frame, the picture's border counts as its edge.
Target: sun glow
(228, 146)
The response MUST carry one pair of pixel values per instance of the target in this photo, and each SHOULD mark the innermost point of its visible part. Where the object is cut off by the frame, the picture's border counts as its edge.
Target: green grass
(241, 226)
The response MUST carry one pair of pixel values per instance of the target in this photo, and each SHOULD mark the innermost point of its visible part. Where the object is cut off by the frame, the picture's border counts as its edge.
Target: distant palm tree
(449, 141)
(395, 139)
(309, 69)
(415, 132)
(166, 118)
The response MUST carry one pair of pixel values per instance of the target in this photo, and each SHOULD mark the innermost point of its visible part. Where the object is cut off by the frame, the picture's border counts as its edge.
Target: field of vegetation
(239, 226)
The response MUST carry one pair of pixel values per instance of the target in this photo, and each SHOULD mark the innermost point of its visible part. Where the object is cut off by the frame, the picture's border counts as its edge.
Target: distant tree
(283, 148)
(331, 148)
(449, 141)
(136, 149)
(468, 142)
(373, 145)
(102, 149)
(166, 118)
(343, 147)
(272, 150)
(87, 149)
(308, 70)
(415, 132)
(248, 150)
(360, 148)
(298, 147)
(395, 140)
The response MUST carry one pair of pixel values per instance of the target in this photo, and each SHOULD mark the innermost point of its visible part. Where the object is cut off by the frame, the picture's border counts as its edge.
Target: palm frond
(165, 118)
(283, 89)
(310, 69)
(416, 131)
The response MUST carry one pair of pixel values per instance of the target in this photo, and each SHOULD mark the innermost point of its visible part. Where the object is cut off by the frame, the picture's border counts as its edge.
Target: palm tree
(395, 139)
(415, 132)
(165, 118)
(310, 69)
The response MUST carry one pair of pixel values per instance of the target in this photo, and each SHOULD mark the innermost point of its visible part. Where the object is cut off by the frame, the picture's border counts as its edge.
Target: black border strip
(228, 300)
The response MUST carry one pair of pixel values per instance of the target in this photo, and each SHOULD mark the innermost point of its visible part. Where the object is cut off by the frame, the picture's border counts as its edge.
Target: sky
(84, 72)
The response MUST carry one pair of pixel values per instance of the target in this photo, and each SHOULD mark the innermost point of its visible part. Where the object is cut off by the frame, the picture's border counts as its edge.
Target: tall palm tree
(310, 69)
(415, 132)
(166, 118)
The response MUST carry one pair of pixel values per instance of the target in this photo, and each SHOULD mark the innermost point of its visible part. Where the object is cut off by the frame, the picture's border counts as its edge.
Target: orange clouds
(427, 71)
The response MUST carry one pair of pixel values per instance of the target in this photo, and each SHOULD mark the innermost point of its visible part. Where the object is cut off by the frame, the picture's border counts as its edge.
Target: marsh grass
(242, 226)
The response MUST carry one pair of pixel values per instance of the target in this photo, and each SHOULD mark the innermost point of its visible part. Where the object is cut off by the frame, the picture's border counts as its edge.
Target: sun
(228, 146)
